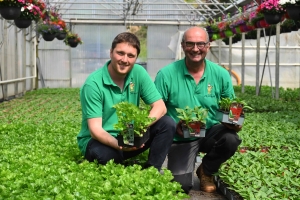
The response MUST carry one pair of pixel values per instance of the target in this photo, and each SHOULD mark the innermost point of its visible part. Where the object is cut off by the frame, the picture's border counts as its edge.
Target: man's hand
(234, 127)
(130, 148)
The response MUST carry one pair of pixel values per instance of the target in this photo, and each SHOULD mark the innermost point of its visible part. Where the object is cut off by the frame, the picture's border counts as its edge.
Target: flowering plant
(48, 27)
(12, 3)
(285, 3)
(55, 18)
(270, 6)
(73, 36)
(255, 17)
(30, 11)
(241, 20)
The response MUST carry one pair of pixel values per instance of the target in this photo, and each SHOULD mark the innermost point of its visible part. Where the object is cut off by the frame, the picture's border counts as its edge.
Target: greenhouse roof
(177, 12)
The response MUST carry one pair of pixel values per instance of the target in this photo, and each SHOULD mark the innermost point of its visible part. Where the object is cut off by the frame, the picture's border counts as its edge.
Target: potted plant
(231, 111)
(72, 39)
(193, 121)
(133, 123)
(48, 29)
(11, 9)
(288, 25)
(61, 35)
(272, 11)
(292, 8)
(29, 12)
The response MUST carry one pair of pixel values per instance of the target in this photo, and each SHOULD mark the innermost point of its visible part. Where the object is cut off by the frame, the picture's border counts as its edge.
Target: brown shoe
(206, 182)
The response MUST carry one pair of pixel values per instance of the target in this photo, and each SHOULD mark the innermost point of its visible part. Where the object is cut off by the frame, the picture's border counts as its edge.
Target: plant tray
(196, 130)
(137, 140)
(223, 188)
(224, 117)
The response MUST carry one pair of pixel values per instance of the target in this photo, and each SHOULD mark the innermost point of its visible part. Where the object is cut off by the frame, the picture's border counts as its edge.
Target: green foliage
(225, 103)
(40, 158)
(274, 124)
(188, 114)
(129, 113)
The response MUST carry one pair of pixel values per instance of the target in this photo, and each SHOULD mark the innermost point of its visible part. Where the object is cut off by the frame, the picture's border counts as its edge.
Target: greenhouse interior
(50, 47)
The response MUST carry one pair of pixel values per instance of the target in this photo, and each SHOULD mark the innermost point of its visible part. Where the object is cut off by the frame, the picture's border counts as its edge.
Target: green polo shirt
(99, 93)
(178, 89)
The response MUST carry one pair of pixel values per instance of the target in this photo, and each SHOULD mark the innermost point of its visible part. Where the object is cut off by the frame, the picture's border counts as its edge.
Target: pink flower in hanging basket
(270, 6)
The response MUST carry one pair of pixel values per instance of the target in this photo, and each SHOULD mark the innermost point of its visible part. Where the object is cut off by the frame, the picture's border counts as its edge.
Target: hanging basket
(293, 12)
(72, 42)
(61, 36)
(273, 18)
(22, 23)
(48, 36)
(10, 13)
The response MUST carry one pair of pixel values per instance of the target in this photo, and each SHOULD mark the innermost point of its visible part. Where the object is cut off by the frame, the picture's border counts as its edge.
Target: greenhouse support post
(230, 55)
(219, 57)
(257, 59)
(243, 62)
(16, 61)
(5, 59)
(277, 61)
(24, 60)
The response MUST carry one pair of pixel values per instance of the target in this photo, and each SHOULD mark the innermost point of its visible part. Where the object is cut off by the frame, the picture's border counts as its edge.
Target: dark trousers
(219, 145)
(161, 138)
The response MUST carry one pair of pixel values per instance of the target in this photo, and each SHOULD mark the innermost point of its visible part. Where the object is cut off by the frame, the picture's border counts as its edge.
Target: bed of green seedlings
(267, 164)
(40, 158)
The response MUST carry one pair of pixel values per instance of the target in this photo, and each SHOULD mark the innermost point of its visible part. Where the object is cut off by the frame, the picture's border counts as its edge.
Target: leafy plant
(74, 36)
(200, 114)
(196, 114)
(225, 103)
(129, 113)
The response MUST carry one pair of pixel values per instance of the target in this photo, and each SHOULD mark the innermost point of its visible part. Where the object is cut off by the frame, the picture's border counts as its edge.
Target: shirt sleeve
(227, 88)
(161, 85)
(91, 101)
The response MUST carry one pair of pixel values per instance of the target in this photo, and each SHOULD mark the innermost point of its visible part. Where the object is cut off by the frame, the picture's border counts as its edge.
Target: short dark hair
(127, 37)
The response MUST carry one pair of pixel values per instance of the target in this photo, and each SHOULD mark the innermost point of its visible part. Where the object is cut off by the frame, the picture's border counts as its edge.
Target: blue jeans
(161, 138)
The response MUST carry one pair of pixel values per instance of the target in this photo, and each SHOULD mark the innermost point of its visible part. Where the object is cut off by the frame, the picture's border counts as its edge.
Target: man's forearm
(105, 138)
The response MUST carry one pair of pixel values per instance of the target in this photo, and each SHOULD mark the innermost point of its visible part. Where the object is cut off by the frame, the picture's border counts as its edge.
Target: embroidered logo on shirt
(131, 87)
(209, 88)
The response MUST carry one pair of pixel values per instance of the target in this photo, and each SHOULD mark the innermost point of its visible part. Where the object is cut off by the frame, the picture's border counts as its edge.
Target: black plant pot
(293, 11)
(272, 18)
(72, 42)
(138, 141)
(22, 23)
(48, 36)
(10, 13)
(60, 36)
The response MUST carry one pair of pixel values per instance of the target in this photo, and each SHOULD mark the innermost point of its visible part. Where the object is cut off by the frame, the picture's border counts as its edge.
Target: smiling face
(123, 57)
(195, 45)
